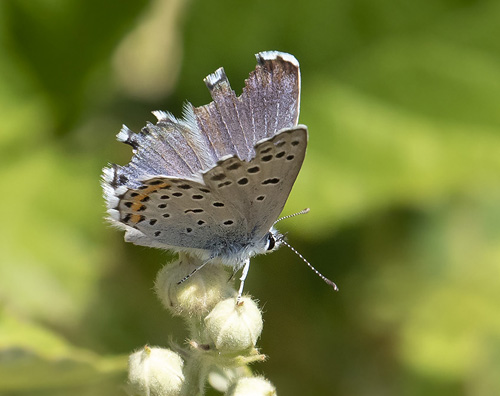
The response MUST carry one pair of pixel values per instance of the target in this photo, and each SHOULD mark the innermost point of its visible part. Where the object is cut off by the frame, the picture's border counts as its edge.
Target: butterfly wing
(176, 213)
(230, 125)
(184, 159)
(270, 102)
(260, 187)
(237, 202)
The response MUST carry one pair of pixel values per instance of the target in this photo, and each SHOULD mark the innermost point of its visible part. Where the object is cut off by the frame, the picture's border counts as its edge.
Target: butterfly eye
(271, 242)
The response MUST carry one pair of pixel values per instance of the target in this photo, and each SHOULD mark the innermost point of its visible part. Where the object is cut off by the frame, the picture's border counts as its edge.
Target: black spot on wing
(234, 166)
(198, 210)
(154, 183)
(253, 169)
(219, 177)
(224, 184)
(273, 180)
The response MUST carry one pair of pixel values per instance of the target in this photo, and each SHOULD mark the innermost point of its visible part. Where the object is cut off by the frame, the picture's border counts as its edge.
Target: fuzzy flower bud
(252, 386)
(234, 327)
(197, 295)
(155, 372)
(221, 378)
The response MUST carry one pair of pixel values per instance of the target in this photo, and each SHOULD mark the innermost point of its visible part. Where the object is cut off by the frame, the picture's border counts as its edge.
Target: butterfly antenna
(328, 281)
(193, 272)
(304, 211)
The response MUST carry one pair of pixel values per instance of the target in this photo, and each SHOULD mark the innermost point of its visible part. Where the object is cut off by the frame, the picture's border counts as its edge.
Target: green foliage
(401, 175)
(35, 359)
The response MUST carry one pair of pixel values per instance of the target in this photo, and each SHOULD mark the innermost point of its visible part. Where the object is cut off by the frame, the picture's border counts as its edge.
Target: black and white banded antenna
(282, 240)
(303, 211)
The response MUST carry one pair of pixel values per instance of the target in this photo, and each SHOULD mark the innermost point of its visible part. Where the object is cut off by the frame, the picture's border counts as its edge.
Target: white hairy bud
(155, 372)
(252, 386)
(198, 294)
(234, 327)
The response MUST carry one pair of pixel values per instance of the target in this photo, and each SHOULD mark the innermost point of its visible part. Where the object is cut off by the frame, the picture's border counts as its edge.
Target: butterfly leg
(244, 273)
(193, 272)
(233, 274)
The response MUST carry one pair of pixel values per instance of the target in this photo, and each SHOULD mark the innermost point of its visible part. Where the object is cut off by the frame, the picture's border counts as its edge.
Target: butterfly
(213, 183)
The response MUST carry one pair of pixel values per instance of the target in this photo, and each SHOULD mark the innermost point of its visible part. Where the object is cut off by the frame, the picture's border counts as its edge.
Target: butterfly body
(214, 183)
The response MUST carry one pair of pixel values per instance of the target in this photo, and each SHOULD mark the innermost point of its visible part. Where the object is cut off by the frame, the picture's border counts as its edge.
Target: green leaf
(34, 358)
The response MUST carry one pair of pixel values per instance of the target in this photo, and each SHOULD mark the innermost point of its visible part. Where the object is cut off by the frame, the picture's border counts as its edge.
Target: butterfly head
(272, 240)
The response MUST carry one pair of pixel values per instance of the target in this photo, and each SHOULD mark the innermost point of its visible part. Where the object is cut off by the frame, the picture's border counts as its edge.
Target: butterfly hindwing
(174, 213)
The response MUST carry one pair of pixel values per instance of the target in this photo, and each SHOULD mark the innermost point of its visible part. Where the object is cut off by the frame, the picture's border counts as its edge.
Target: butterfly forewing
(259, 188)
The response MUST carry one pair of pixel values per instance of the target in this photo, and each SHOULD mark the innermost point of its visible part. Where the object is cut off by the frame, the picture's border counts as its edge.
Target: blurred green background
(402, 175)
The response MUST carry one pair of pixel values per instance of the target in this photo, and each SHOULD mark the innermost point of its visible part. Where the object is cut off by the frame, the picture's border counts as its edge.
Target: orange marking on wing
(135, 218)
(136, 206)
(145, 193)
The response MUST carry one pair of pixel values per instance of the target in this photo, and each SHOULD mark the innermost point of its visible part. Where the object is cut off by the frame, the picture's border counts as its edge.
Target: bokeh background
(402, 101)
